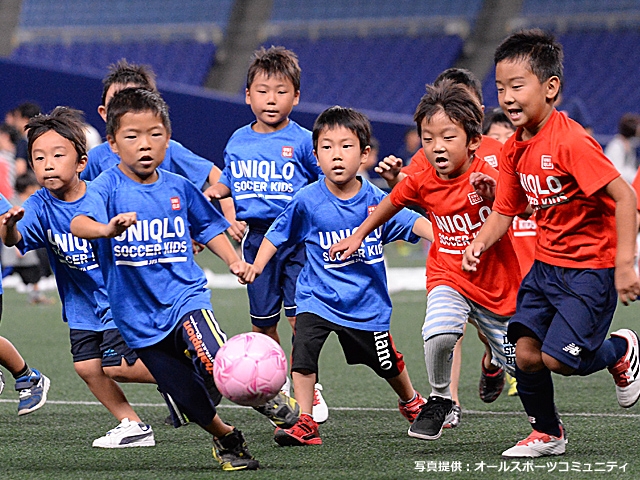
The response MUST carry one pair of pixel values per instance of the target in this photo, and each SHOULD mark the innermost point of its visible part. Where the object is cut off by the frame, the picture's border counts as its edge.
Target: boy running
(586, 217)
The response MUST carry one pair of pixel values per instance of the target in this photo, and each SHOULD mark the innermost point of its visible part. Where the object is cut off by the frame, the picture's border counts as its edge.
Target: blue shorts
(569, 310)
(277, 283)
(107, 345)
(182, 363)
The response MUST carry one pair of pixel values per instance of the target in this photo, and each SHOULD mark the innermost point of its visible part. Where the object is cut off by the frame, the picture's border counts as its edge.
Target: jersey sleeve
(290, 226)
(189, 165)
(511, 199)
(94, 203)
(588, 164)
(309, 161)
(406, 193)
(205, 221)
(224, 176)
(400, 227)
(30, 227)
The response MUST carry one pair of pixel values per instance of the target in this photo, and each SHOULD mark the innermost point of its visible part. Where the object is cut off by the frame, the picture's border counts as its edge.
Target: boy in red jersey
(492, 377)
(567, 300)
(449, 121)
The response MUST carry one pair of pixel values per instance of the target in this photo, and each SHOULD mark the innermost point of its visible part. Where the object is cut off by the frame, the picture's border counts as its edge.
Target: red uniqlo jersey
(561, 172)
(524, 231)
(457, 213)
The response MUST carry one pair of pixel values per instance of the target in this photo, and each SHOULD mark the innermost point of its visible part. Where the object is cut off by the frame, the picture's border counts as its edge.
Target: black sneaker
(282, 411)
(491, 384)
(433, 415)
(232, 453)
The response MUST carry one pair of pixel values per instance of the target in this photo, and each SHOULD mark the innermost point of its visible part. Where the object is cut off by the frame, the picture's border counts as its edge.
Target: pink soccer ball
(250, 368)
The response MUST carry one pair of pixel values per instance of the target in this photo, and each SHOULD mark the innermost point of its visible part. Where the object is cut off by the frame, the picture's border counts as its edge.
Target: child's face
(141, 142)
(523, 98)
(55, 163)
(445, 145)
(111, 91)
(339, 155)
(500, 132)
(271, 99)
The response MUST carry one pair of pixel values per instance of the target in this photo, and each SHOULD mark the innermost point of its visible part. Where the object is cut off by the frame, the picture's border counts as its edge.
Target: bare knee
(557, 366)
(529, 354)
(117, 373)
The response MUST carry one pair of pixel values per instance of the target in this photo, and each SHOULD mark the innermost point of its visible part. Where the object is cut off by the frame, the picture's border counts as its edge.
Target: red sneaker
(304, 432)
(411, 409)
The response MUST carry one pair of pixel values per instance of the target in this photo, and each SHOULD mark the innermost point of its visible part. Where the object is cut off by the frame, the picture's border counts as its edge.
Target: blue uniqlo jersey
(353, 292)
(264, 170)
(151, 276)
(178, 159)
(5, 206)
(80, 284)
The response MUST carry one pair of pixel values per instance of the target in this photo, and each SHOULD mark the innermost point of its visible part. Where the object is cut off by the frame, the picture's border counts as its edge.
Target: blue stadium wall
(202, 121)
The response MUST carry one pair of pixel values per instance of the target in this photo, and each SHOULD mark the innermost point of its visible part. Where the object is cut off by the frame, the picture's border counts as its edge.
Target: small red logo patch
(287, 152)
(474, 198)
(546, 163)
(371, 209)
(491, 160)
(175, 203)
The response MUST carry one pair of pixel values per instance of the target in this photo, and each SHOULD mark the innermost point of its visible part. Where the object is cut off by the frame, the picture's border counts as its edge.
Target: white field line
(347, 409)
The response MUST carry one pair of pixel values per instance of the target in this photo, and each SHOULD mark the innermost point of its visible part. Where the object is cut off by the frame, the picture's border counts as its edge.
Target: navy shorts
(569, 310)
(182, 363)
(107, 345)
(277, 283)
(373, 349)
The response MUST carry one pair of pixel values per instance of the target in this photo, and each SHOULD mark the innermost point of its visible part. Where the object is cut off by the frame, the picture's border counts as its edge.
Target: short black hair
(463, 77)
(496, 116)
(28, 110)
(124, 73)
(538, 48)
(348, 118)
(135, 100)
(628, 125)
(456, 101)
(276, 61)
(11, 131)
(66, 122)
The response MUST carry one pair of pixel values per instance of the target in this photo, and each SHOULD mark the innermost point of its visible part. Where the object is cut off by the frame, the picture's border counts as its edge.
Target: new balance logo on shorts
(572, 349)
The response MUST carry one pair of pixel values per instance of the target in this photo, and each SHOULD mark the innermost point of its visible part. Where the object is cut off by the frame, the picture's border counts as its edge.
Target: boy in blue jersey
(57, 153)
(144, 220)
(266, 163)
(347, 297)
(178, 159)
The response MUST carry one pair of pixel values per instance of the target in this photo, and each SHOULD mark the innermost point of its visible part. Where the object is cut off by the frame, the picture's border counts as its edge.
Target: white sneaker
(320, 411)
(537, 444)
(627, 370)
(127, 434)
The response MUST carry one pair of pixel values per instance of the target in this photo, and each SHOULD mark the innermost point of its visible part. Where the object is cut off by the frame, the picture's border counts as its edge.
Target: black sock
(536, 394)
(26, 371)
(607, 355)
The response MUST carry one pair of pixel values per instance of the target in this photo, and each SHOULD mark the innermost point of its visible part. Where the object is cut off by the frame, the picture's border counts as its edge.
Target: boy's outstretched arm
(217, 191)
(9, 232)
(626, 278)
(492, 231)
(266, 251)
(221, 246)
(85, 227)
(390, 169)
(383, 213)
